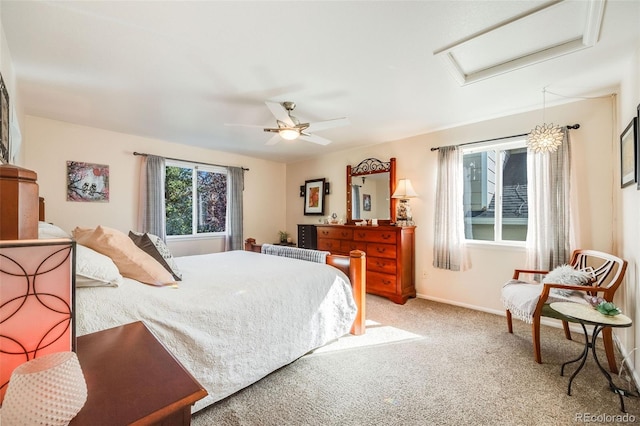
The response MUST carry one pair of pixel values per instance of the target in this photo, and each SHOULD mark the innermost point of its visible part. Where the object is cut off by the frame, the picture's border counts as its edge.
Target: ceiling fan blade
(280, 113)
(328, 124)
(273, 140)
(315, 139)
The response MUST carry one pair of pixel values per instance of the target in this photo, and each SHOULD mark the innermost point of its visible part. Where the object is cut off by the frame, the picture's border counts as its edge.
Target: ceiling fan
(290, 127)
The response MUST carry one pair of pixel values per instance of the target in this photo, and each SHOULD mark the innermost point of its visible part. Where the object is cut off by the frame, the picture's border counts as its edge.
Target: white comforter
(236, 316)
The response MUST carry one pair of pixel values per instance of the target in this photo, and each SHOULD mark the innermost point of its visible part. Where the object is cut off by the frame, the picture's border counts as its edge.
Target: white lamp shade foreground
(404, 191)
(49, 390)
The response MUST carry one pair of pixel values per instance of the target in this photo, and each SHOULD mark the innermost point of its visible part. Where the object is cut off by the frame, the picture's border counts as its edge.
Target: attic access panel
(551, 30)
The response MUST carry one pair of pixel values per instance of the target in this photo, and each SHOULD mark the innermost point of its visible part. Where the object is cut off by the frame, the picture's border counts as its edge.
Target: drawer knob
(386, 236)
(381, 250)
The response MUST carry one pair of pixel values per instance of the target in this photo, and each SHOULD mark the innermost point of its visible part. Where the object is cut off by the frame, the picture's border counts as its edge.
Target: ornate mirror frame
(372, 166)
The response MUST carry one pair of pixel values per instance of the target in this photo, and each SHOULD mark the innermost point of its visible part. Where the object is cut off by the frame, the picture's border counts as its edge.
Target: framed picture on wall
(628, 154)
(314, 197)
(87, 182)
(4, 123)
(366, 202)
(638, 146)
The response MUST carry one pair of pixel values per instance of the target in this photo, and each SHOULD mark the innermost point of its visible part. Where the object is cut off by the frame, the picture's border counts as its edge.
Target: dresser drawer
(381, 264)
(347, 245)
(326, 244)
(381, 282)
(337, 233)
(375, 236)
(381, 250)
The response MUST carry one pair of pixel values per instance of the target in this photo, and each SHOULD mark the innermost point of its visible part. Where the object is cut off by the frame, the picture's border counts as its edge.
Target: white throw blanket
(295, 253)
(521, 298)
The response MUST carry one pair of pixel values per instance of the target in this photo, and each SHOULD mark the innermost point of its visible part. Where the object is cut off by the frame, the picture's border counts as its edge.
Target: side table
(132, 379)
(587, 315)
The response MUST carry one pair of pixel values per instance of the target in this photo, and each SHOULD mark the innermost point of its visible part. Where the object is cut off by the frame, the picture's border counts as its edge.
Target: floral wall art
(87, 182)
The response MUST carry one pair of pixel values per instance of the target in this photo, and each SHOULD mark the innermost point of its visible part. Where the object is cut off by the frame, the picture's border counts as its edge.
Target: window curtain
(152, 215)
(234, 240)
(449, 251)
(355, 201)
(549, 227)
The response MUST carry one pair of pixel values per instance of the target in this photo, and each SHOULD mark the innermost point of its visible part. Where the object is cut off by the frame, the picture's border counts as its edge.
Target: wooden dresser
(390, 255)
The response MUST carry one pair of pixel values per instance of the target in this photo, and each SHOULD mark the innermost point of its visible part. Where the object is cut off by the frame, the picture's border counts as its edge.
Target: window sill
(518, 245)
(196, 237)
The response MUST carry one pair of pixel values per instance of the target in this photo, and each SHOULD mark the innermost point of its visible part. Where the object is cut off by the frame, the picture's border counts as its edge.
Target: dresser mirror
(369, 188)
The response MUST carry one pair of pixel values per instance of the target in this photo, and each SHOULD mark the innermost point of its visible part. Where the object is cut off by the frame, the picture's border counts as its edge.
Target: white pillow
(49, 230)
(567, 274)
(94, 269)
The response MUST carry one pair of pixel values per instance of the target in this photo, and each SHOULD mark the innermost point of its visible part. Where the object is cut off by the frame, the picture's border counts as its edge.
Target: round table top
(588, 314)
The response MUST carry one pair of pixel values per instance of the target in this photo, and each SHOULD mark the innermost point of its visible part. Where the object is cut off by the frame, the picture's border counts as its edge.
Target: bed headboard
(41, 215)
(19, 205)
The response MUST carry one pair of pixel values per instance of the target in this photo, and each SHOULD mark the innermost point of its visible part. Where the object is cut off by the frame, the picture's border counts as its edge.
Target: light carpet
(427, 363)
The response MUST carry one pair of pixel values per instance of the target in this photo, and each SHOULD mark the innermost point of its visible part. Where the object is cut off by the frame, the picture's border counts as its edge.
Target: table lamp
(50, 390)
(404, 191)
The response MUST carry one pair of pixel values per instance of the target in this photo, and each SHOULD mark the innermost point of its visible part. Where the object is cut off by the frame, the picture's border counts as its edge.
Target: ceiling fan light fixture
(289, 134)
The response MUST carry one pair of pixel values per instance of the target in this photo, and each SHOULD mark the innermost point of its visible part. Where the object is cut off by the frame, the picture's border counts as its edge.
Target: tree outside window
(208, 187)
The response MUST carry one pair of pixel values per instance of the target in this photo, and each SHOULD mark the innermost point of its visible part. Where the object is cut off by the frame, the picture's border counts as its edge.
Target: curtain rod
(186, 161)
(570, 126)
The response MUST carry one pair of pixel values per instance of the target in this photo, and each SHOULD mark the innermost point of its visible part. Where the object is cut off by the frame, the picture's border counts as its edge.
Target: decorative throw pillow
(567, 274)
(156, 248)
(131, 261)
(94, 269)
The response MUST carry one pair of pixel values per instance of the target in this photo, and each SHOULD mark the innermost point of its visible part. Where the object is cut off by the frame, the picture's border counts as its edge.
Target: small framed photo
(366, 202)
(314, 197)
(628, 154)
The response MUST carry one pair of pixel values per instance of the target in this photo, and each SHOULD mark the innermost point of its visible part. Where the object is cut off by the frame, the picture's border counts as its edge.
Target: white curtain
(549, 227)
(152, 214)
(449, 251)
(235, 208)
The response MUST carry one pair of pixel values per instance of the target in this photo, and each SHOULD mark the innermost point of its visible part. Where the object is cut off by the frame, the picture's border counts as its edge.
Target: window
(495, 192)
(196, 199)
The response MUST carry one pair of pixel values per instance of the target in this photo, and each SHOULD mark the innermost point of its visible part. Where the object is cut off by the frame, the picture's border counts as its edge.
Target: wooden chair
(609, 272)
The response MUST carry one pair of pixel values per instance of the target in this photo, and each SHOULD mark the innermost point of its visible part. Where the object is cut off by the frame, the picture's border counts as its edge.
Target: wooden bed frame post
(357, 272)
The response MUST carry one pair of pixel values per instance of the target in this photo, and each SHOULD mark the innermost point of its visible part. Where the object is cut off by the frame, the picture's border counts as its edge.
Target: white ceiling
(180, 70)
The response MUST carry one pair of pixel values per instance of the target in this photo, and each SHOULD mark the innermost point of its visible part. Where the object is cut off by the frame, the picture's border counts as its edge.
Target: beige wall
(595, 157)
(627, 224)
(52, 143)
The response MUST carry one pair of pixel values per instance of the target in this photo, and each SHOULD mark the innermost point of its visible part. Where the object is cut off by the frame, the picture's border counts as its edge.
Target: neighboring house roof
(515, 205)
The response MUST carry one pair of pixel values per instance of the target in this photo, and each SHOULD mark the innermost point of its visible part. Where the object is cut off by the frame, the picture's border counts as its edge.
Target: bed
(234, 317)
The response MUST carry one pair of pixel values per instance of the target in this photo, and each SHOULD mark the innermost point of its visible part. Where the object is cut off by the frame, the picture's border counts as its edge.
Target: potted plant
(283, 236)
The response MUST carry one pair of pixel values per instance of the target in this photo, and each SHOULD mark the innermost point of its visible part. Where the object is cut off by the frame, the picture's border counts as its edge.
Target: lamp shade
(404, 189)
(47, 390)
